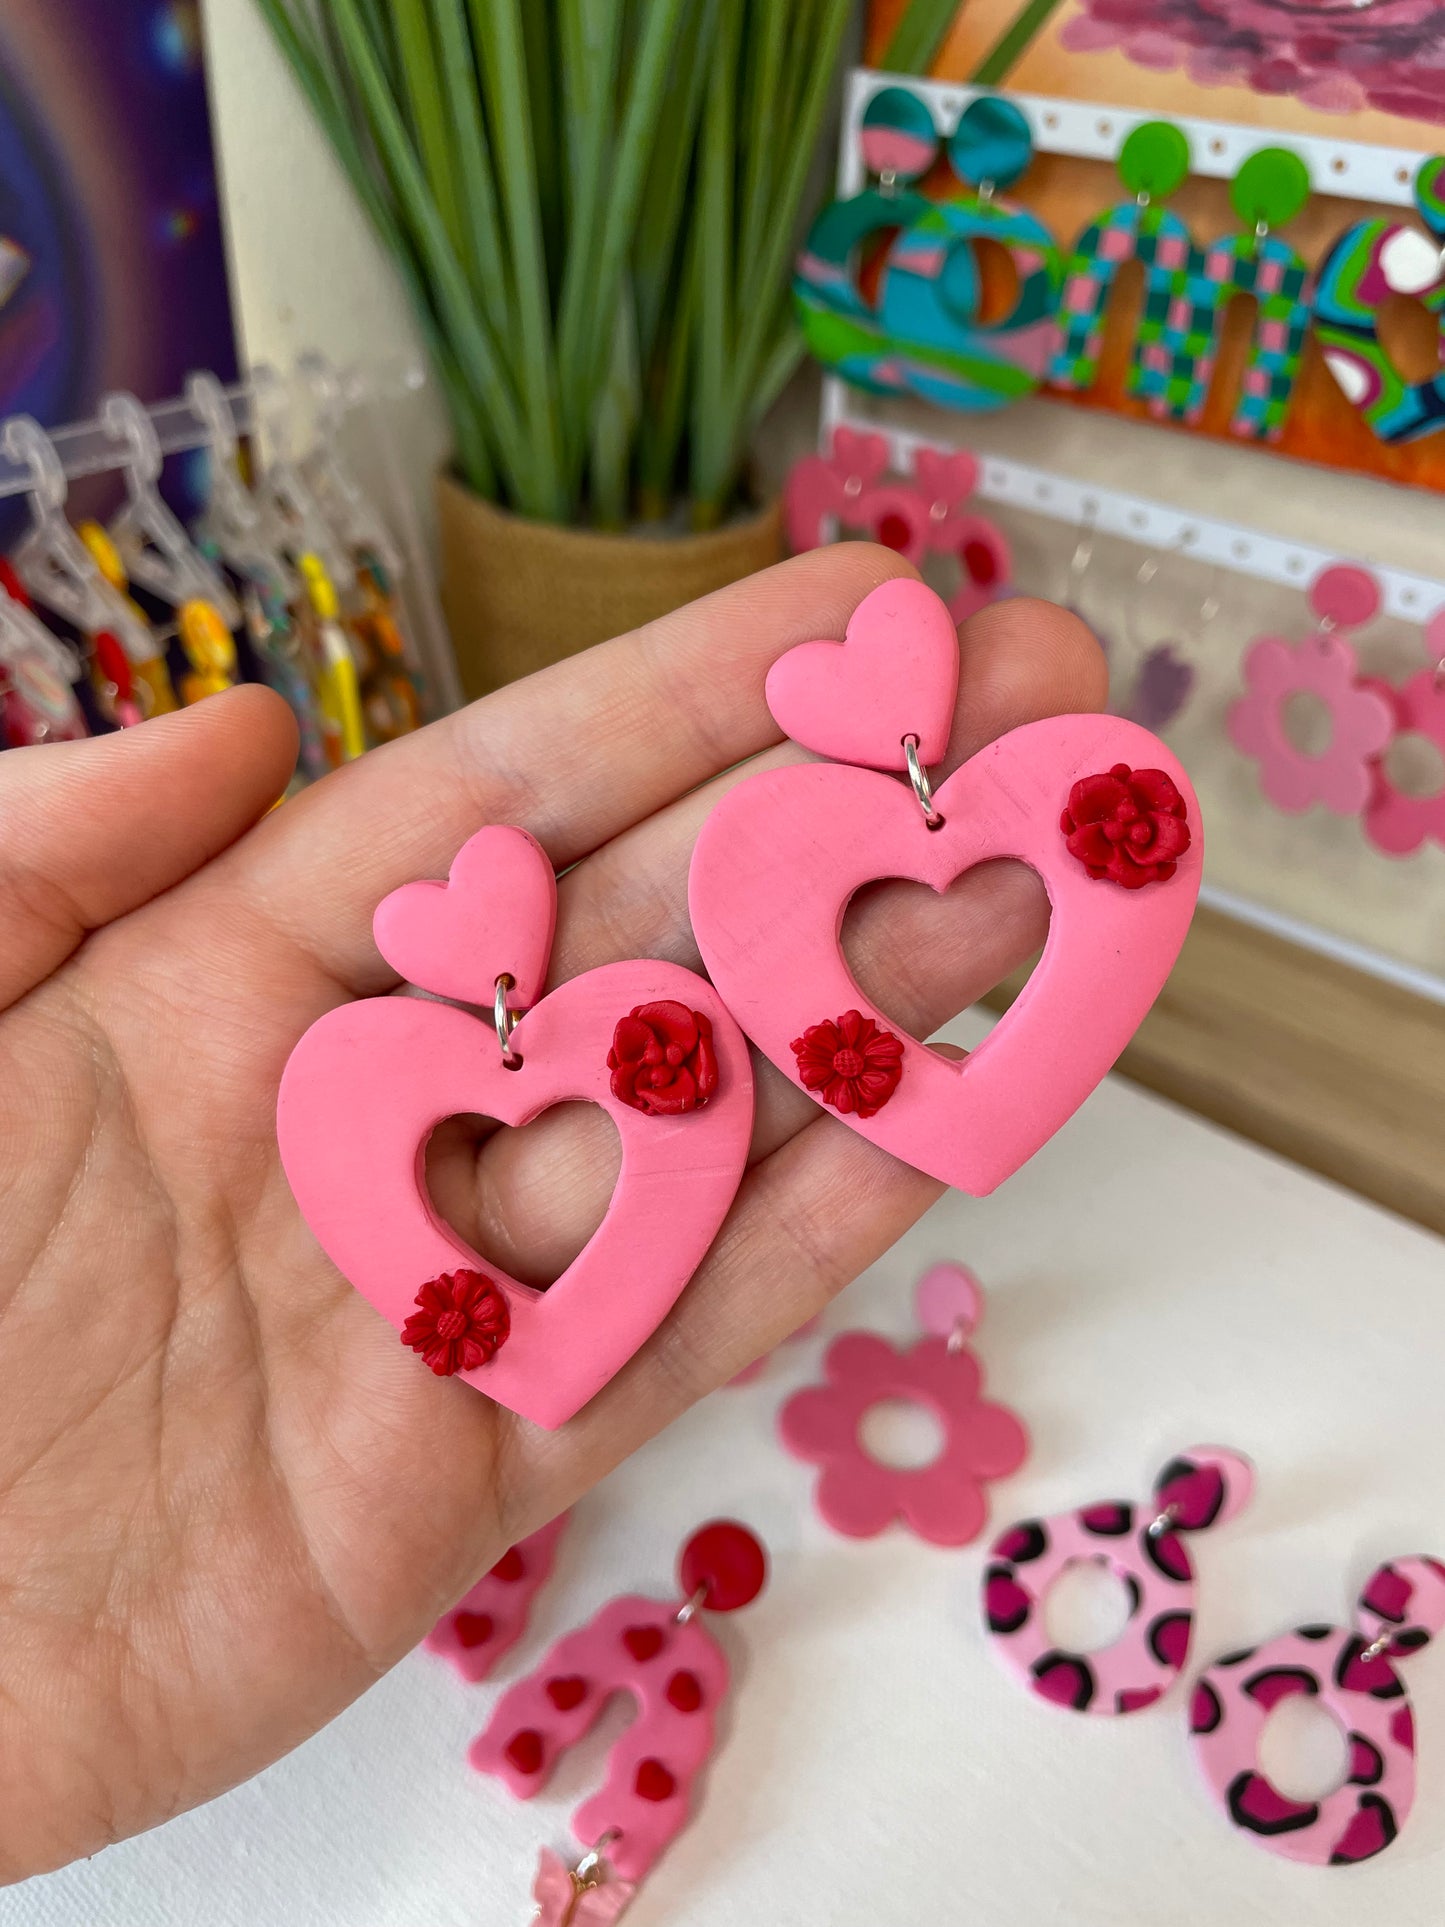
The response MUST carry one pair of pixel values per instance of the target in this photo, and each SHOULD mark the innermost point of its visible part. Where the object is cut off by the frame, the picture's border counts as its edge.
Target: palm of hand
(228, 1497)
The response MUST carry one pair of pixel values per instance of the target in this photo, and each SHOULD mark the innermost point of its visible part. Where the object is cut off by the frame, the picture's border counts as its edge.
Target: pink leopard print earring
(1352, 1676)
(1144, 1548)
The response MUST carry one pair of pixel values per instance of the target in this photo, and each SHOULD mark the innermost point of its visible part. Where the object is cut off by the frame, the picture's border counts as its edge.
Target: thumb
(97, 828)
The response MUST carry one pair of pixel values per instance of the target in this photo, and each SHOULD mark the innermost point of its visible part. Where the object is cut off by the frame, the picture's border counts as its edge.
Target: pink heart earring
(651, 1043)
(1098, 807)
(1144, 1548)
(492, 1617)
(1362, 719)
(1352, 1675)
(1396, 821)
(943, 1501)
(659, 1651)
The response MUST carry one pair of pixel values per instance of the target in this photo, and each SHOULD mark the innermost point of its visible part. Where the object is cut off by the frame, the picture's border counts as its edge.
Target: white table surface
(1154, 1283)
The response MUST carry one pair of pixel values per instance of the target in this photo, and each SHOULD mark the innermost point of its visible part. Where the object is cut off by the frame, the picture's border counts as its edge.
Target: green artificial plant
(593, 205)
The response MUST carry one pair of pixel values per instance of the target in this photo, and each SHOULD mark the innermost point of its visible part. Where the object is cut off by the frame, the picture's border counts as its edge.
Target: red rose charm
(461, 1321)
(662, 1059)
(1127, 825)
(850, 1064)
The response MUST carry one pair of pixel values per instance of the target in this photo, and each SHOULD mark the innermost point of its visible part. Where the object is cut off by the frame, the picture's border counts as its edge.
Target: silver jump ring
(505, 1021)
(1164, 1521)
(685, 1612)
(918, 777)
(1377, 1647)
(591, 1862)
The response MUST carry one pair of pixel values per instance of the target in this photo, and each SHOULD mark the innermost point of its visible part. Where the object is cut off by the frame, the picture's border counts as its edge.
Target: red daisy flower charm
(850, 1063)
(460, 1322)
(662, 1059)
(1127, 825)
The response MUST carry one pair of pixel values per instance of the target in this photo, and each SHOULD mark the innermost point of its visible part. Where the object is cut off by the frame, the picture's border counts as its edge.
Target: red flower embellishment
(850, 1063)
(1127, 825)
(662, 1059)
(461, 1320)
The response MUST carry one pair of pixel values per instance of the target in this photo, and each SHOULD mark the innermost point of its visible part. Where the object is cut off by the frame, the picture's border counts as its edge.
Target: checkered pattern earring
(1269, 189)
(1152, 163)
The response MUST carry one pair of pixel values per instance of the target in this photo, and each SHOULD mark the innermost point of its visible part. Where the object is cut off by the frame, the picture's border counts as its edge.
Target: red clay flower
(850, 1063)
(662, 1060)
(461, 1321)
(1127, 825)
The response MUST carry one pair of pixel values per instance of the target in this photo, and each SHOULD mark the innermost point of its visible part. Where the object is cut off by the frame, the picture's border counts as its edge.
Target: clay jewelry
(1397, 821)
(842, 328)
(1153, 162)
(649, 1042)
(1269, 190)
(1362, 718)
(942, 1501)
(1371, 263)
(1098, 807)
(916, 518)
(1144, 1548)
(931, 296)
(660, 1652)
(491, 1618)
(1350, 1674)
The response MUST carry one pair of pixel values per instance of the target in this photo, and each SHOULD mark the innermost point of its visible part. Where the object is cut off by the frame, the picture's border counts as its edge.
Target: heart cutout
(781, 856)
(493, 917)
(894, 674)
(369, 1082)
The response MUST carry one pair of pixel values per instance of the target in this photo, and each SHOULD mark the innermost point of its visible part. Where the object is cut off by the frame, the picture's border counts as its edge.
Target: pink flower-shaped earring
(1362, 720)
(1396, 821)
(942, 1501)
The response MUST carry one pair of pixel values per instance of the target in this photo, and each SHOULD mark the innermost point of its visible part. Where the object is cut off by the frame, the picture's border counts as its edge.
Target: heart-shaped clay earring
(651, 1043)
(1098, 807)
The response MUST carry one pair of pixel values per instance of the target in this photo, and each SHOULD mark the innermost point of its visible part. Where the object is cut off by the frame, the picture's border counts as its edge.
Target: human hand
(229, 1499)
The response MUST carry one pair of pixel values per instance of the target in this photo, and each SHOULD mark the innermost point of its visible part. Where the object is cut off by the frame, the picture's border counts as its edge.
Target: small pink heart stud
(895, 674)
(493, 917)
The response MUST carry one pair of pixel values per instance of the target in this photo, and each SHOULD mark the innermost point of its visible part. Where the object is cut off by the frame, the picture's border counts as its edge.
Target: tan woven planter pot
(520, 594)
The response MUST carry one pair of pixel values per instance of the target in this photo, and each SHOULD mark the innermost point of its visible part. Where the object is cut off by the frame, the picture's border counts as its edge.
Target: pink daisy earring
(944, 1500)
(1341, 776)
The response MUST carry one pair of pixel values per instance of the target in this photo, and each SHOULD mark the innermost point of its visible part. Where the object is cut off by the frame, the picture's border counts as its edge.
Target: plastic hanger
(51, 560)
(36, 674)
(236, 523)
(307, 530)
(341, 497)
(158, 554)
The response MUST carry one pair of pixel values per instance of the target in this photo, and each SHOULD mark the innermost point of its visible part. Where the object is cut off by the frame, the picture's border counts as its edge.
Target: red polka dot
(893, 531)
(653, 1781)
(643, 1642)
(566, 1692)
(473, 1629)
(684, 1692)
(509, 1568)
(524, 1750)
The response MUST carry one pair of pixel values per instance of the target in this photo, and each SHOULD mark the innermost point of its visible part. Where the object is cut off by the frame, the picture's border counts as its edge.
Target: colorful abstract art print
(112, 263)
(1371, 72)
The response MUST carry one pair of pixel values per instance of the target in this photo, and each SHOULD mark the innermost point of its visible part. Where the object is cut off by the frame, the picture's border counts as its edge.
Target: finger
(575, 754)
(97, 828)
(807, 1220)
(923, 955)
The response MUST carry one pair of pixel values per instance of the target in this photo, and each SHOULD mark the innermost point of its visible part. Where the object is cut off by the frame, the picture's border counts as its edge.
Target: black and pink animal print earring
(1351, 1673)
(1144, 1548)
